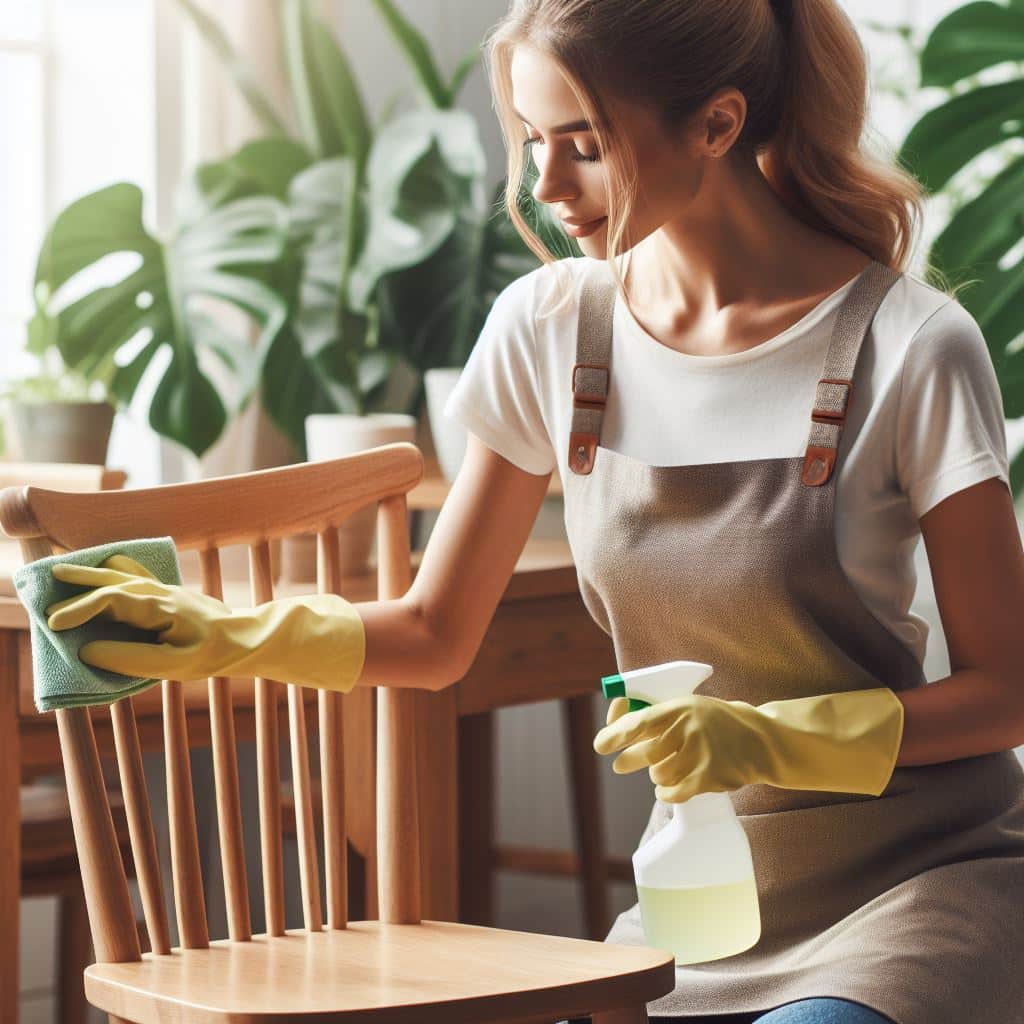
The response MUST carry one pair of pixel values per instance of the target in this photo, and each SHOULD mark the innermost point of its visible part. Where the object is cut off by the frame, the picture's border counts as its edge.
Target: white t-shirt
(926, 419)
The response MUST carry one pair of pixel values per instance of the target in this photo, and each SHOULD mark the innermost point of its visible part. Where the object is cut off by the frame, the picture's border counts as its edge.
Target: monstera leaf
(981, 241)
(433, 313)
(393, 258)
(168, 303)
(419, 170)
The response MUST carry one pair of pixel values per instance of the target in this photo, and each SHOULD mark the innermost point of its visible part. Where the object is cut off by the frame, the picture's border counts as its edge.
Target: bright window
(77, 112)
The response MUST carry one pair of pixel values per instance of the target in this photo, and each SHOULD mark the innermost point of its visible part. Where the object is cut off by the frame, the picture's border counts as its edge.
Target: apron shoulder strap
(590, 372)
(835, 387)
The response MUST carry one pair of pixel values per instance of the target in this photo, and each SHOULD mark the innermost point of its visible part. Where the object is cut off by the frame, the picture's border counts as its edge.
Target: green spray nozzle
(615, 686)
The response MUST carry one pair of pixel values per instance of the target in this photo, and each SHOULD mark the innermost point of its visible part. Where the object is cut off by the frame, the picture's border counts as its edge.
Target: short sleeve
(496, 396)
(951, 427)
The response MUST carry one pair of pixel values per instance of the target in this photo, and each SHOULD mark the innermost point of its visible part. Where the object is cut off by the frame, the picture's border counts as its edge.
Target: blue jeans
(822, 1010)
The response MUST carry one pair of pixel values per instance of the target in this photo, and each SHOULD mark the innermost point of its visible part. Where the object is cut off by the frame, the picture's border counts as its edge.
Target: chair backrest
(252, 509)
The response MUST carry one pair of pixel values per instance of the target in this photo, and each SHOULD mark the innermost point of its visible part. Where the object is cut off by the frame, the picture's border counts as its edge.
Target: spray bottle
(695, 876)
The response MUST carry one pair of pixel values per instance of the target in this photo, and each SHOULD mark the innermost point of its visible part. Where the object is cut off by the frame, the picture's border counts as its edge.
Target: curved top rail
(245, 508)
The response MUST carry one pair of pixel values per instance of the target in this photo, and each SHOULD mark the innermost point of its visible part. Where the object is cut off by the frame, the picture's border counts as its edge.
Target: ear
(723, 119)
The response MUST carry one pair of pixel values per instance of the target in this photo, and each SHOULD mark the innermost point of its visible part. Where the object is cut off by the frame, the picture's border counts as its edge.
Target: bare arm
(430, 636)
(974, 552)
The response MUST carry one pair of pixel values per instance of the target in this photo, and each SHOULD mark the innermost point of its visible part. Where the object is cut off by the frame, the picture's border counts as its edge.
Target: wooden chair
(398, 967)
(49, 864)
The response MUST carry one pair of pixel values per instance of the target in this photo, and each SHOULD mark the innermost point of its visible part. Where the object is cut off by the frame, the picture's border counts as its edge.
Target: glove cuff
(837, 742)
(314, 640)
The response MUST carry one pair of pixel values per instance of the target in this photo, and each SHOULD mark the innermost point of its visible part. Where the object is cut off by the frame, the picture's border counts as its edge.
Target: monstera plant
(981, 245)
(324, 267)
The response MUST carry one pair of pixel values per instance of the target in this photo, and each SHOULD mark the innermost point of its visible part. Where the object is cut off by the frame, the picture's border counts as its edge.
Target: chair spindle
(268, 759)
(225, 774)
(332, 764)
(398, 847)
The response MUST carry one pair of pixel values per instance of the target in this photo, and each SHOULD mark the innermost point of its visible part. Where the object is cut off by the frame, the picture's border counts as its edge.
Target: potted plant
(359, 257)
(401, 254)
(55, 415)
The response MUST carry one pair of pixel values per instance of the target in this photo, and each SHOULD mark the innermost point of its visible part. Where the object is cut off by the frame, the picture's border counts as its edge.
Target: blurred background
(175, 194)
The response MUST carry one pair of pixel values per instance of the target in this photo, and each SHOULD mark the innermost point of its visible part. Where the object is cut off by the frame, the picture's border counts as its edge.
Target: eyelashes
(528, 144)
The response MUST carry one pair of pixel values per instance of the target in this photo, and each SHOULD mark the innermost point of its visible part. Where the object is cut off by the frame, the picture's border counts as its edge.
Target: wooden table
(541, 645)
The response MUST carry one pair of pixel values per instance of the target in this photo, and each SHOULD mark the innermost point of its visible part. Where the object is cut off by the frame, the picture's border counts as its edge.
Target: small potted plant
(56, 415)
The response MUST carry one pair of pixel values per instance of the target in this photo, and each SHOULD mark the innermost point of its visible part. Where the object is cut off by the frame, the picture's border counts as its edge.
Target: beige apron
(912, 902)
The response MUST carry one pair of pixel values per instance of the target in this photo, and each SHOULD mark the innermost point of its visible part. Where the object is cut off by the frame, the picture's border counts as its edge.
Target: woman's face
(569, 165)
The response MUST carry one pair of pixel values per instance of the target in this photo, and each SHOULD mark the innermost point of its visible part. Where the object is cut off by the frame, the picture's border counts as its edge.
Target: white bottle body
(695, 876)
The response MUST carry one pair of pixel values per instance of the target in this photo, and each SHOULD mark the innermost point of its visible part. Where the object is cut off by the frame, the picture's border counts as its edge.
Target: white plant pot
(332, 436)
(449, 437)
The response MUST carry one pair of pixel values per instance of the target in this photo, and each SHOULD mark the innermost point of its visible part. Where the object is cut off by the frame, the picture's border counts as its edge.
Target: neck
(734, 243)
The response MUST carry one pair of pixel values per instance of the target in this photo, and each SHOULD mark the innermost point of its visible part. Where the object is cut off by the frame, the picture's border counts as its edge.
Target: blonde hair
(799, 63)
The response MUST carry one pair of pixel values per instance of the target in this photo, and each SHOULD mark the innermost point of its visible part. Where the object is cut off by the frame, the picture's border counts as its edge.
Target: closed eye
(576, 154)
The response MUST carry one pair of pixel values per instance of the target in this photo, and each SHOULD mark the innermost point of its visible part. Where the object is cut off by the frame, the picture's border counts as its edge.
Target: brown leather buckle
(826, 415)
(592, 401)
(582, 452)
(818, 465)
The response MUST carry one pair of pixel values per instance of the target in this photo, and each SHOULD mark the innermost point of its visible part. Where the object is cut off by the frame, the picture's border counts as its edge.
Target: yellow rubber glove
(837, 742)
(314, 640)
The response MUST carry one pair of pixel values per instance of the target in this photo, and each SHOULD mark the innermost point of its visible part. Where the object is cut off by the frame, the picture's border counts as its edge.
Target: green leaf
(163, 300)
(186, 407)
(987, 227)
(126, 378)
(271, 164)
(433, 313)
(248, 85)
(293, 388)
(416, 50)
(995, 302)
(1011, 380)
(465, 66)
(994, 299)
(973, 37)
(319, 213)
(330, 111)
(1017, 464)
(950, 136)
(422, 175)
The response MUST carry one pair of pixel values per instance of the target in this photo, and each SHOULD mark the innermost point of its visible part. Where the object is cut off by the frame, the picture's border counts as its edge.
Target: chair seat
(435, 971)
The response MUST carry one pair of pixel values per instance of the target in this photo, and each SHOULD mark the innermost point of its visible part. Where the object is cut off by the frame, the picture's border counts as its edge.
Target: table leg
(437, 755)
(10, 827)
(588, 819)
(477, 797)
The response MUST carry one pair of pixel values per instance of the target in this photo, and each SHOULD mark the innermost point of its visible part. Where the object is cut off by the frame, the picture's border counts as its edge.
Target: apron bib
(911, 902)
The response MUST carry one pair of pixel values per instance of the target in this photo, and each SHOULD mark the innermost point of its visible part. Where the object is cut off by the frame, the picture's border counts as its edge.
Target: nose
(549, 189)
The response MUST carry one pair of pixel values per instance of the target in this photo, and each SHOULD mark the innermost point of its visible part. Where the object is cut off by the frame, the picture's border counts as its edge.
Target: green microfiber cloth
(62, 680)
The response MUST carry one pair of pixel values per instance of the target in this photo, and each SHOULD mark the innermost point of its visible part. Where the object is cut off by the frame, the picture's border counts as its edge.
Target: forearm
(971, 712)
(403, 648)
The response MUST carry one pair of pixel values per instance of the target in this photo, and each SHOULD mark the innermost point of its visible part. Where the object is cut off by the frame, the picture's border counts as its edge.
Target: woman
(742, 255)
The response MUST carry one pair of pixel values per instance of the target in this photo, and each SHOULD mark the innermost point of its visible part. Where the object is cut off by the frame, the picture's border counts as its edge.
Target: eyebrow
(562, 129)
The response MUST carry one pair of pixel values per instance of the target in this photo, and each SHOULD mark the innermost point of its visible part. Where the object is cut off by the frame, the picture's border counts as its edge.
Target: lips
(583, 230)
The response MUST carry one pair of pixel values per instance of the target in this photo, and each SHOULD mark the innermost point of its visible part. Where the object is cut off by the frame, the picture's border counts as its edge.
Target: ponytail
(815, 161)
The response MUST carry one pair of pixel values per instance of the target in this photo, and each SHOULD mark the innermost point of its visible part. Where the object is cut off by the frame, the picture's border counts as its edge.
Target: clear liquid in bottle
(698, 923)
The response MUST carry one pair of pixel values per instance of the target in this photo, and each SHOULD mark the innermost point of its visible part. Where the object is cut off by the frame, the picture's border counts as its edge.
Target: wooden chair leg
(75, 950)
(588, 818)
(476, 818)
(627, 1015)
(356, 885)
